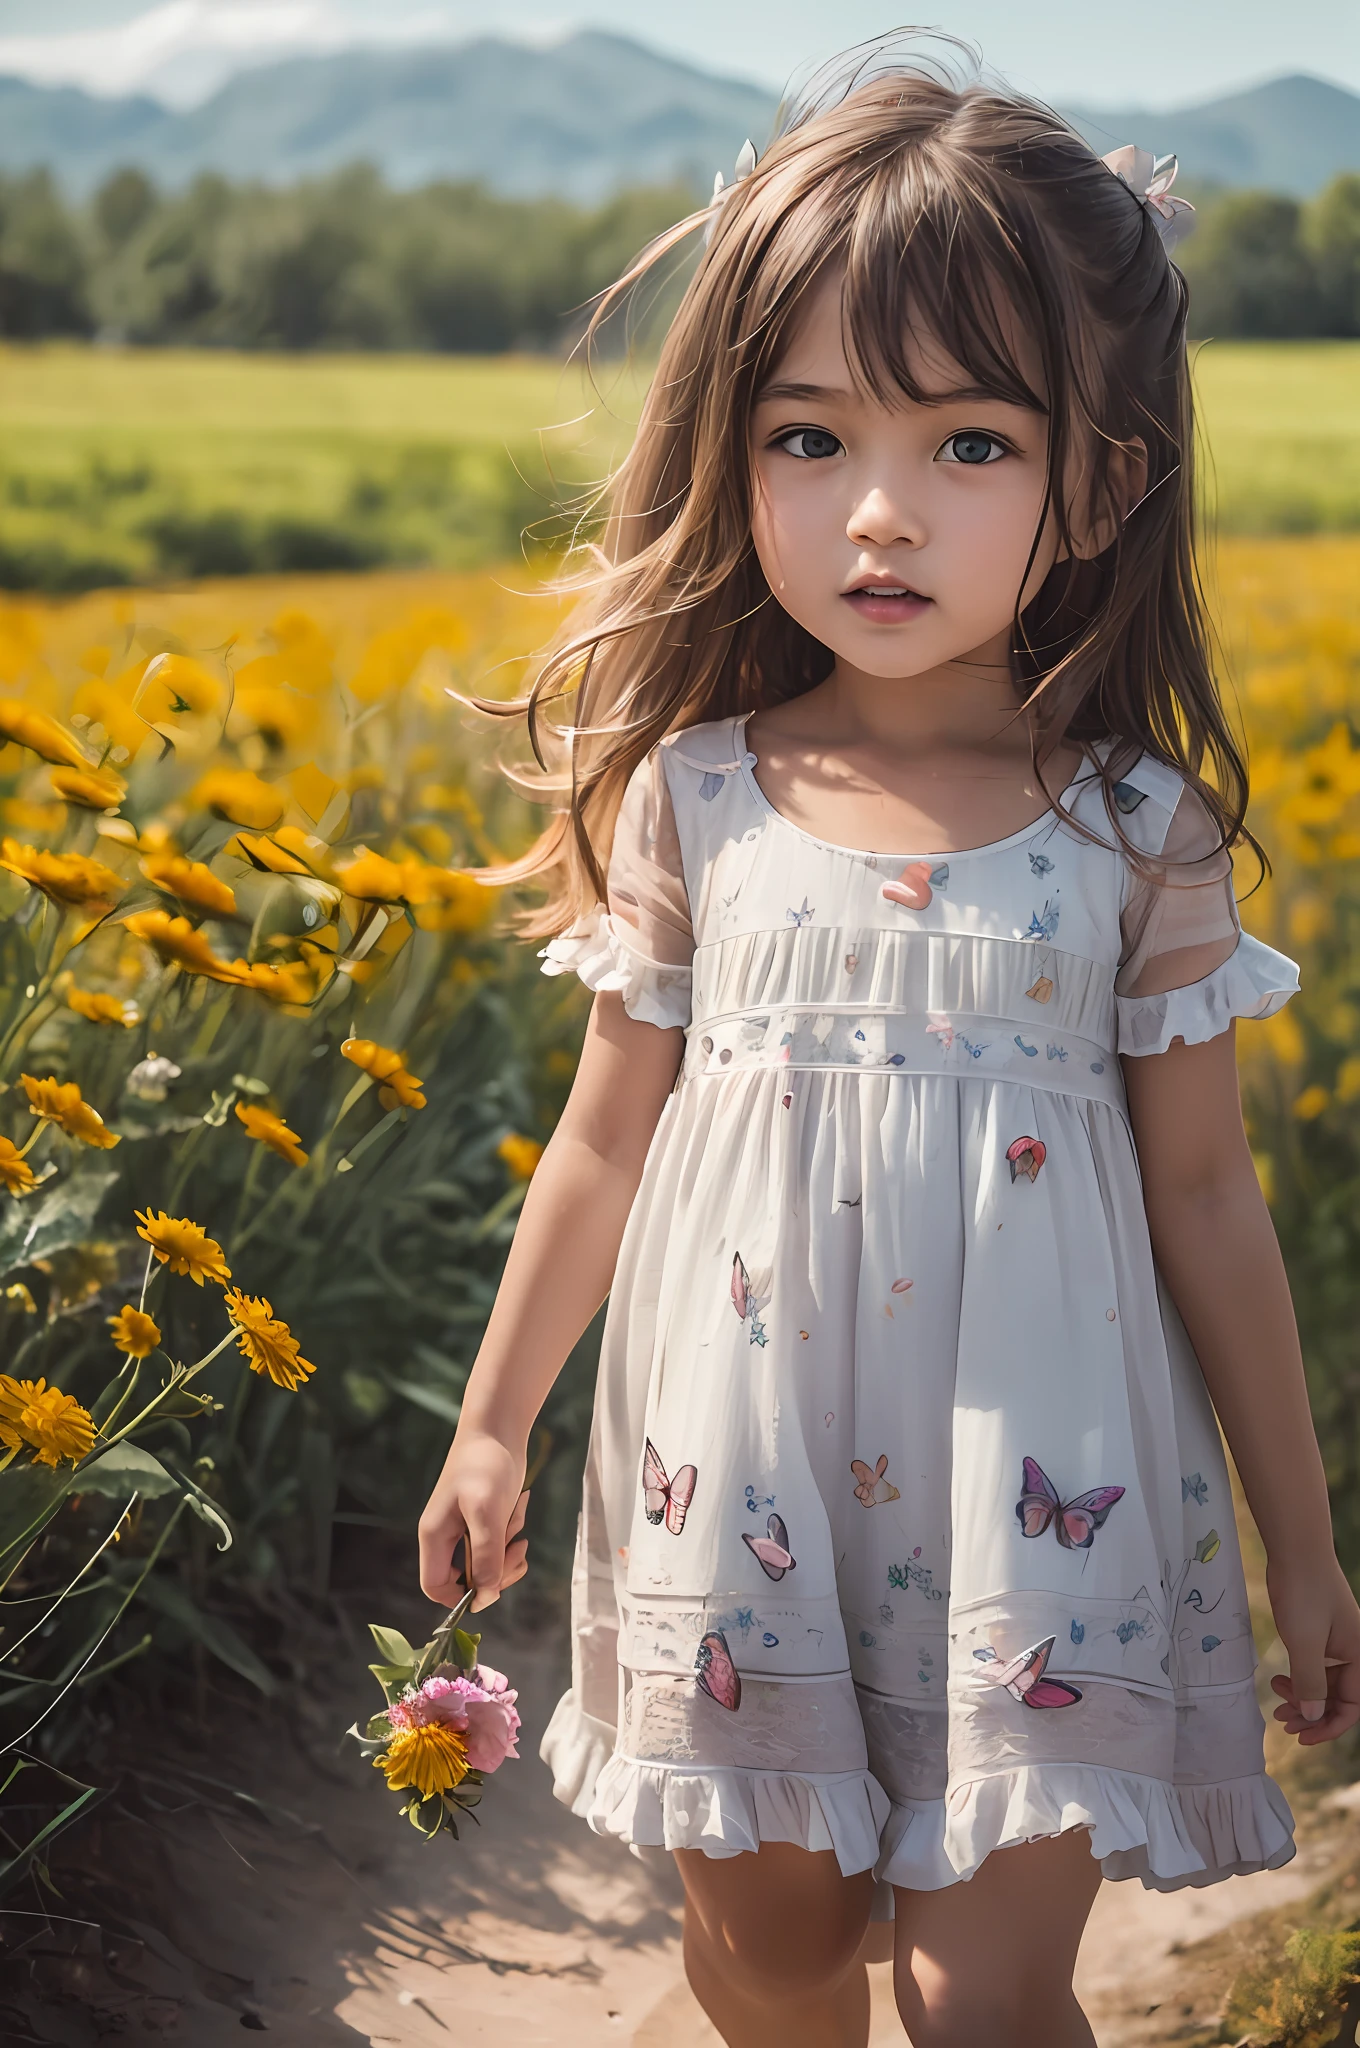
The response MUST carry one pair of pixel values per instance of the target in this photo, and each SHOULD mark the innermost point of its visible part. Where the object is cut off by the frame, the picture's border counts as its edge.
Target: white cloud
(182, 50)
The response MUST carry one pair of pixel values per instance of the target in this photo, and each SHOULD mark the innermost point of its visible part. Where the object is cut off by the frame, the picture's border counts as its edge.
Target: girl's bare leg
(992, 1960)
(771, 1946)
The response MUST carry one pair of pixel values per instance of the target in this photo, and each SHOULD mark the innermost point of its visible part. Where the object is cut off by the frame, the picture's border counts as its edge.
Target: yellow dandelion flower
(244, 798)
(272, 1131)
(451, 901)
(99, 789)
(101, 1009)
(52, 1424)
(375, 880)
(65, 877)
(61, 1103)
(521, 1155)
(192, 881)
(1311, 1103)
(16, 1173)
(134, 1332)
(427, 1760)
(269, 1345)
(399, 1088)
(172, 684)
(176, 941)
(183, 1246)
(40, 734)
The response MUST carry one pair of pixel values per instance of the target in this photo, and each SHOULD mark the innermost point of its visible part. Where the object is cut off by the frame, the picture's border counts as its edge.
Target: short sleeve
(642, 944)
(1187, 968)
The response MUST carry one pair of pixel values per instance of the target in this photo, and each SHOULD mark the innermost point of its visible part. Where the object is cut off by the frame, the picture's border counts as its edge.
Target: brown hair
(956, 213)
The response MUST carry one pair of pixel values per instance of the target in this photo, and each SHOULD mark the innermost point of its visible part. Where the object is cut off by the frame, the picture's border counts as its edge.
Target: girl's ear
(1127, 483)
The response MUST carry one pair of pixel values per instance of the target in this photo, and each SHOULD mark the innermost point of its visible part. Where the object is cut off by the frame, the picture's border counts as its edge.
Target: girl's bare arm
(1216, 1247)
(559, 1270)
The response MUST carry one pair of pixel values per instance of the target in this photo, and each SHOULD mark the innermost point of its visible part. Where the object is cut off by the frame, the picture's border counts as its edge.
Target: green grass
(121, 465)
(1282, 422)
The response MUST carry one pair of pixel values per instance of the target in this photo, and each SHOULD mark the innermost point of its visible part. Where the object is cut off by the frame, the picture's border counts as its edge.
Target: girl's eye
(810, 444)
(972, 446)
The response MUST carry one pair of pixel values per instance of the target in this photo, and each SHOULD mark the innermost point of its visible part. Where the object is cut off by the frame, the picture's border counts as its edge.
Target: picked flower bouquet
(448, 1724)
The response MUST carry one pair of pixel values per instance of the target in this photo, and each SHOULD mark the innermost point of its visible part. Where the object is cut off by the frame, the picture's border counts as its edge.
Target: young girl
(908, 1550)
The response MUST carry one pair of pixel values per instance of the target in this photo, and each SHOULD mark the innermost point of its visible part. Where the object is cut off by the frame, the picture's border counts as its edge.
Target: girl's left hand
(1319, 1624)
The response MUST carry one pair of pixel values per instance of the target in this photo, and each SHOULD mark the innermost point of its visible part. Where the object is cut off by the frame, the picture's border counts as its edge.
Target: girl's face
(897, 536)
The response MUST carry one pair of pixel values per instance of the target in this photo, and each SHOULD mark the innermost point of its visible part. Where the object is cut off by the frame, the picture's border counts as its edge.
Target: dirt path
(337, 1925)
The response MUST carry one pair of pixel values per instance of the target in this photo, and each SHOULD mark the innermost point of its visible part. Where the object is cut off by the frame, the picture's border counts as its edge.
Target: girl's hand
(479, 1500)
(1319, 1625)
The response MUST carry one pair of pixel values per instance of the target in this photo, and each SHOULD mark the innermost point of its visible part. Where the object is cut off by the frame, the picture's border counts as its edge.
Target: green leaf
(392, 1646)
(465, 1648)
(169, 1598)
(124, 1470)
(1208, 1547)
(56, 1221)
(29, 1497)
(430, 1399)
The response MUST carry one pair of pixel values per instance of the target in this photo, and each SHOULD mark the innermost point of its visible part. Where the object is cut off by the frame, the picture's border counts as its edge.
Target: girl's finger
(438, 1551)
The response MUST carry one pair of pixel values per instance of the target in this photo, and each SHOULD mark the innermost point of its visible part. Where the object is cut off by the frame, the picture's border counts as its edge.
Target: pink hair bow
(1150, 180)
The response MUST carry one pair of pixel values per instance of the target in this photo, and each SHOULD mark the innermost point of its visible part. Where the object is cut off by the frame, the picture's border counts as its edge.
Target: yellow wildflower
(271, 1130)
(429, 1759)
(134, 1331)
(1311, 1103)
(175, 940)
(521, 1155)
(451, 901)
(237, 794)
(65, 877)
(292, 982)
(40, 734)
(101, 1009)
(99, 789)
(192, 881)
(375, 880)
(183, 1246)
(16, 1173)
(174, 683)
(269, 1345)
(61, 1103)
(52, 1424)
(399, 1088)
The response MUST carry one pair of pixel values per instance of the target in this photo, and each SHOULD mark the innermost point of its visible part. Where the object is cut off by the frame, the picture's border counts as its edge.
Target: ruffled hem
(595, 950)
(1167, 1836)
(1254, 981)
(726, 1812)
(575, 1747)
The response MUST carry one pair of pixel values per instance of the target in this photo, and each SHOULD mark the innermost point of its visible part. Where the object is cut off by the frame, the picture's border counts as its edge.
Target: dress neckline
(748, 763)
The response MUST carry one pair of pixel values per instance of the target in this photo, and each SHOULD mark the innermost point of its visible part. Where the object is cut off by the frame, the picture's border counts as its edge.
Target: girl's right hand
(479, 1500)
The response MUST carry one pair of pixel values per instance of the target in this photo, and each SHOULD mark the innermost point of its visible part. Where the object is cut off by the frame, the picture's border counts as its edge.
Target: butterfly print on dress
(1043, 923)
(871, 1487)
(1194, 1488)
(1074, 1522)
(1026, 1156)
(1040, 864)
(717, 1674)
(747, 1302)
(800, 917)
(1023, 1677)
(913, 887)
(663, 1498)
(771, 1551)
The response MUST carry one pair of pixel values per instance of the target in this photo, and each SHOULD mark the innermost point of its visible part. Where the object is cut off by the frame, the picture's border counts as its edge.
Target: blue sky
(1074, 51)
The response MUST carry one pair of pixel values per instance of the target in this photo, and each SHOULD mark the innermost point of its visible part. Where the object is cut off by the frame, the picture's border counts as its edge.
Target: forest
(345, 262)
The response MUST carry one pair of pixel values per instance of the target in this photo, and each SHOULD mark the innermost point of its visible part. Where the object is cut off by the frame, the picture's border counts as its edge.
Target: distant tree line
(346, 263)
(340, 263)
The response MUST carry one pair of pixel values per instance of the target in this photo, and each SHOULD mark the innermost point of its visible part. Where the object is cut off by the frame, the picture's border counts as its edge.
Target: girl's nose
(881, 520)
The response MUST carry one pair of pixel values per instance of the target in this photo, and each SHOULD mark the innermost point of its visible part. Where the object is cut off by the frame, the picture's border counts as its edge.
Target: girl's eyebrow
(830, 394)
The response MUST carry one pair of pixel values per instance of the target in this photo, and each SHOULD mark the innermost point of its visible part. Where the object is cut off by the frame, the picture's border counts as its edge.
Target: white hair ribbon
(742, 169)
(1150, 180)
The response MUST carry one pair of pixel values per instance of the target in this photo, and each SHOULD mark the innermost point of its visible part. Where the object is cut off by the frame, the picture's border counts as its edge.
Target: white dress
(907, 1531)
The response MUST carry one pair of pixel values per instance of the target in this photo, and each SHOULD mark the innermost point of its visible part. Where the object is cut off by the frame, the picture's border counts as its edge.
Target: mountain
(583, 118)
(1289, 135)
(591, 114)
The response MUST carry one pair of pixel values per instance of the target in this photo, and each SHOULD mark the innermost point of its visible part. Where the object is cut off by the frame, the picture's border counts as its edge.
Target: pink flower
(482, 1707)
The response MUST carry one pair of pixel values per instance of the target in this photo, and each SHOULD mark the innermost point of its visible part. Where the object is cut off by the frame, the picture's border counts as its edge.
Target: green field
(124, 465)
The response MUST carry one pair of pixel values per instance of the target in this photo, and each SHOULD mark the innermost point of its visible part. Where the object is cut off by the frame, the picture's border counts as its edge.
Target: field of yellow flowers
(271, 1088)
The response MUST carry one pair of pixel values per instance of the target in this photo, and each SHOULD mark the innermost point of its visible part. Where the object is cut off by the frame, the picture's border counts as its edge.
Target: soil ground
(330, 1922)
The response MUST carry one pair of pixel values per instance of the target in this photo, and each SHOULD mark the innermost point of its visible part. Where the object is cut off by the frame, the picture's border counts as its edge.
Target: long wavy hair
(958, 214)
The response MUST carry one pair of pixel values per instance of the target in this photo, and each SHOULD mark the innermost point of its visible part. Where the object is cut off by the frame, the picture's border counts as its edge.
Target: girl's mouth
(886, 604)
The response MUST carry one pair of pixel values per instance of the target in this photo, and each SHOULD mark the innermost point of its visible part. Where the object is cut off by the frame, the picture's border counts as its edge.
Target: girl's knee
(977, 2011)
(781, 1932)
